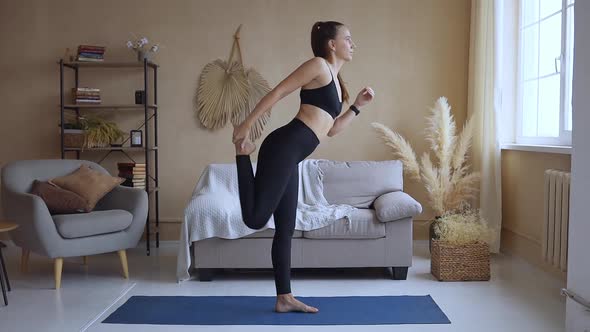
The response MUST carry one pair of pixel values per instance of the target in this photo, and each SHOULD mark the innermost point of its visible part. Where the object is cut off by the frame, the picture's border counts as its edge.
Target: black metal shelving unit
(150, 113)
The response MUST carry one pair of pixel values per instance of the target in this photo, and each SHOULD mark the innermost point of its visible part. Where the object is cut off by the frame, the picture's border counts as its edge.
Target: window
(546, 43)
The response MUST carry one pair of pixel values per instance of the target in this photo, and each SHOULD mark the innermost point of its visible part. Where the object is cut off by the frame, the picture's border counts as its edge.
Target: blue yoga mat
(258, 310)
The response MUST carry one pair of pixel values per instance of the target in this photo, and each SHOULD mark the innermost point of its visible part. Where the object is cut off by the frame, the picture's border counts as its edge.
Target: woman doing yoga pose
(274, 189)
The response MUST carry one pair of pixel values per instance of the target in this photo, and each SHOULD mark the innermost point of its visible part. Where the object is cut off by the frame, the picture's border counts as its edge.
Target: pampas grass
(401, 150)
(432, 184)
(449, 183)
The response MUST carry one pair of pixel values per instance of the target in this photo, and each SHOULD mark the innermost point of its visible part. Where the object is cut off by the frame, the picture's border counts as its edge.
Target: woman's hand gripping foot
(244, 147)
(240, 139)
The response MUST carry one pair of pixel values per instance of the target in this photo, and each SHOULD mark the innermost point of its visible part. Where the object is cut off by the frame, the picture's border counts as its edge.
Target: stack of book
(86, 95)
(133, 173)
(90, 53)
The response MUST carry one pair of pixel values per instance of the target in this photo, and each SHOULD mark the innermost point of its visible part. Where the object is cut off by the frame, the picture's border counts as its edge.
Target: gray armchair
(116, 223)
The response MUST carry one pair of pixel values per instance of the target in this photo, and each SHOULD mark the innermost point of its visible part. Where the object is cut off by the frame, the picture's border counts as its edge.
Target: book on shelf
(130, 175)
(126, 166)
(137, 181)
(132, 181)
(86, 89)
(91, 48)
(86, 95)
(88, 101)
(130, 164)
(90, 53)
(133, 185)
(86, 59)
(132, 171)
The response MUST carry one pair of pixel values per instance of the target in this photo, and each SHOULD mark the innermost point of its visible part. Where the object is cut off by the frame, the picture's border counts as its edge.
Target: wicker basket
(73, 138)
(467, 262)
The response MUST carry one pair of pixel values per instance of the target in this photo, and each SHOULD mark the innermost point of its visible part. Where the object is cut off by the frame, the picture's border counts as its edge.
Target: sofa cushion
(363, 225)
(58, 200)
(396, 205)
(359, 183)
(94, 223)
(90, 184)
(270, 233)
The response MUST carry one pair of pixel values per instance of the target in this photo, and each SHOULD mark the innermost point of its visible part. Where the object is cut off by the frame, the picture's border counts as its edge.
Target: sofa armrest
(396, 205)
(36, 231)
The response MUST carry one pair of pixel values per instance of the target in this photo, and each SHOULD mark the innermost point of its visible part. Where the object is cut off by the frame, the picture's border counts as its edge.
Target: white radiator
(555, 230)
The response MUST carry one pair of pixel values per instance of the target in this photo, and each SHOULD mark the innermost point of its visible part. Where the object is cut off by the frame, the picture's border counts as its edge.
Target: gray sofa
(115, 224)
(379, 233)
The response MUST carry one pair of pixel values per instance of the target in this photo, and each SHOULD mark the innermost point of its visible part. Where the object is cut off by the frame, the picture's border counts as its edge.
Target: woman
(274, 190)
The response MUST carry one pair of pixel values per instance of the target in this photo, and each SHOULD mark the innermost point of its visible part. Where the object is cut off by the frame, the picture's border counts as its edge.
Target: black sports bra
(325, 97)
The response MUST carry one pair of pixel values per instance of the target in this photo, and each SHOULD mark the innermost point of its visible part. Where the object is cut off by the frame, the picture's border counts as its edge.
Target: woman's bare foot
(288, 303)
(248, 148)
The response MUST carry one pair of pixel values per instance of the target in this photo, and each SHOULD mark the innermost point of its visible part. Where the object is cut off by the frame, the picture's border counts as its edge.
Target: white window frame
(565, 136)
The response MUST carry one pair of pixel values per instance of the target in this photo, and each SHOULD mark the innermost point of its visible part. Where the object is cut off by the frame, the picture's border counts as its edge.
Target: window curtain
(483, 106)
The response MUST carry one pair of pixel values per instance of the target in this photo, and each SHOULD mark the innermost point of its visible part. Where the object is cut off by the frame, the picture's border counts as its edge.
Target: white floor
(518, 298)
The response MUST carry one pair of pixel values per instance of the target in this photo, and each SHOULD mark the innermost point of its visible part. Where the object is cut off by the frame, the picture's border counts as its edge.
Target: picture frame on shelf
(136, 138)
(139, 97)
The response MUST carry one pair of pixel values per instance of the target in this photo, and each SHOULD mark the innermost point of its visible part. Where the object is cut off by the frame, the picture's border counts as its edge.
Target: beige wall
(410, 52)
(522, 202)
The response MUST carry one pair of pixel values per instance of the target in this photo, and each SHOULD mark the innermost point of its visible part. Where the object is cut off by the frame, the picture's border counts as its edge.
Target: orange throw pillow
(90, 184)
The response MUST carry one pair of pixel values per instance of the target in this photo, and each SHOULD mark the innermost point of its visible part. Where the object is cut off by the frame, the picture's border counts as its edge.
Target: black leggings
(275, 189)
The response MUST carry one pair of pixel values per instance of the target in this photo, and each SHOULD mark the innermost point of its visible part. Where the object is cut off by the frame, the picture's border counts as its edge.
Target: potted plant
(100, 132)
(74, 135)
(448, 183)
(461, 250)
(91, 132)
(140, 47)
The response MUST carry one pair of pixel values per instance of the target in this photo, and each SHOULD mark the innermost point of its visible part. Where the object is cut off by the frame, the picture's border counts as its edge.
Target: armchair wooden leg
(123, 258)
(58, 265)
(24, 260)
(85, 260)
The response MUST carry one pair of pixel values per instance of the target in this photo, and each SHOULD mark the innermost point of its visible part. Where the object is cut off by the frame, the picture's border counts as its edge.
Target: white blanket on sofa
(214, 208)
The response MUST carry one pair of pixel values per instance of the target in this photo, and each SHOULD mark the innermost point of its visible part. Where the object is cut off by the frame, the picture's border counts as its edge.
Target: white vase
(141, 55)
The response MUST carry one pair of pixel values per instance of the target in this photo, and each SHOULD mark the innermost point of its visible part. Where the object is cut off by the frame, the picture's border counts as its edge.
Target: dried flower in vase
(139, 46)
(449, 183)
(464, 227)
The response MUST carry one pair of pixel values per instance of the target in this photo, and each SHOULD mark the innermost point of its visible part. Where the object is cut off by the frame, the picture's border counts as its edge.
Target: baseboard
(517, 245)
(169, 230)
